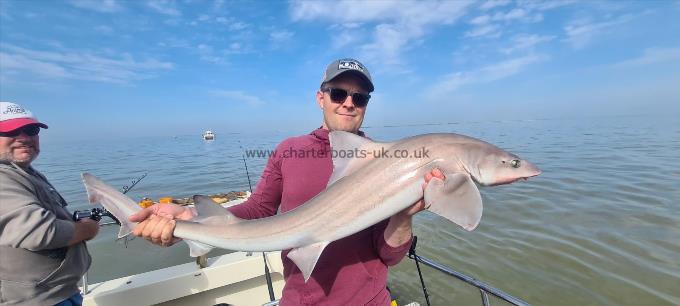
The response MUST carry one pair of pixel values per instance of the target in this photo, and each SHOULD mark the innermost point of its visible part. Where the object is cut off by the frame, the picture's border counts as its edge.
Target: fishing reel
(95, 214)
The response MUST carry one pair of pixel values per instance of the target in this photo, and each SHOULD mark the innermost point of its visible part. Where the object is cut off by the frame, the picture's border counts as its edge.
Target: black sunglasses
(338, 95)
(30, 130)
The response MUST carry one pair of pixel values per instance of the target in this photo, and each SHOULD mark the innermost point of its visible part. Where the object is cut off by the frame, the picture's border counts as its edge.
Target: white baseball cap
(14, 116)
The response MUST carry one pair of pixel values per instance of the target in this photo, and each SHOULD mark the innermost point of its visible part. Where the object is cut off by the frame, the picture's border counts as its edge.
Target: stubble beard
(9, 157)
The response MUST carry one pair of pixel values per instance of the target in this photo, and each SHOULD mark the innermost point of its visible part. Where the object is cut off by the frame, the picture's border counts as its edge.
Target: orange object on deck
(145, 202)
(165, 200)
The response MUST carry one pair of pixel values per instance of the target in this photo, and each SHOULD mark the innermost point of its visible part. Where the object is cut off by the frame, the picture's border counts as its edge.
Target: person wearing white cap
(350, 271)
(42, 250)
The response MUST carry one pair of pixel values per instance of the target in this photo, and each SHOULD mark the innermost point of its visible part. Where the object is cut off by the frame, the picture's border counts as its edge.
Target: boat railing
(484, 288)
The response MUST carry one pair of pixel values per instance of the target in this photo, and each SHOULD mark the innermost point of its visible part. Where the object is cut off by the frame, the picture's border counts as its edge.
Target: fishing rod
(412, 253)
(134, 182)
(97, 214)
(267, 275)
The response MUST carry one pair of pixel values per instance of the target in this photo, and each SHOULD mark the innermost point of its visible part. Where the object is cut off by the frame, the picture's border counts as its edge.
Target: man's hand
(398, 229)
(157, 222)
(420, 205)
(85, 229)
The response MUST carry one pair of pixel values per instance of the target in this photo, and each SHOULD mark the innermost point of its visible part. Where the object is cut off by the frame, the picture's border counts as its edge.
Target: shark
(371, 181)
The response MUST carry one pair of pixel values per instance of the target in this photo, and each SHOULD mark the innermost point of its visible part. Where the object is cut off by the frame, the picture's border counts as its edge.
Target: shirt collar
(322, 134)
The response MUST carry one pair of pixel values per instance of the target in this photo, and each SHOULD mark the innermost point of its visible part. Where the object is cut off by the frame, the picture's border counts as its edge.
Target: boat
(208, 135)
(235, 279)
(238, 278)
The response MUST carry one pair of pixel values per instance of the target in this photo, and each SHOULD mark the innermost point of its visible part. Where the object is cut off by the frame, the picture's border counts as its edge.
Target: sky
(162, 68)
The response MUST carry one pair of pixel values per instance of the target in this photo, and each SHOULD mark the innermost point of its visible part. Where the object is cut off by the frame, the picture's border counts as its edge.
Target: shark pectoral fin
(210, 212)
(198, 249)
(351, 152)
(456, 198)
(305, 258)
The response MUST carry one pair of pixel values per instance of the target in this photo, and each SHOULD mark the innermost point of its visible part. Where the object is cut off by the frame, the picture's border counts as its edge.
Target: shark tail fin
(113, 200)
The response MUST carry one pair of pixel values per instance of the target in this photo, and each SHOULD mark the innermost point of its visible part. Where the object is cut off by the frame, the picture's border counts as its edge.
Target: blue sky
(118, 68)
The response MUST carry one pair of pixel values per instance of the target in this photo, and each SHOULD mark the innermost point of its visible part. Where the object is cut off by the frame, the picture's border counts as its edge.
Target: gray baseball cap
(347, 65)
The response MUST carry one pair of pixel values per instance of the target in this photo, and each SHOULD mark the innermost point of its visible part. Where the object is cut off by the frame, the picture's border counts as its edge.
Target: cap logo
(350, 65)
(14, 109)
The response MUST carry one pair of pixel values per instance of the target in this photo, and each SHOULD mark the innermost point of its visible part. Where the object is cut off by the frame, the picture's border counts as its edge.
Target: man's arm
(266, 198)
(395, 240)
(26, 224)
(83, 230)
(399, 228)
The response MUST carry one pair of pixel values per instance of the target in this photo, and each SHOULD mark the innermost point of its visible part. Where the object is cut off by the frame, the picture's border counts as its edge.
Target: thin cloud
(543, 5)
(493, 3)
(652, 56)
(345, 38)
(164, 7)
(388, 44)
(231, 23)
(480, 20)
(397, 23)
(102, 6)
(77, 65)
(237, 96)
(12, 63)
(580, 33)
(515, 13)
(489, 30)
(490, 25)
(207, 53)
(217, 4)
(104, 29)
(280, 36)
(407, 12)
(238, 26)
(526, 42)
(4, 11)
(452, 82)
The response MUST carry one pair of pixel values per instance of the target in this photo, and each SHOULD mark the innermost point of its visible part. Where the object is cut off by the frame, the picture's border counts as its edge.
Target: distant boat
(208, 135)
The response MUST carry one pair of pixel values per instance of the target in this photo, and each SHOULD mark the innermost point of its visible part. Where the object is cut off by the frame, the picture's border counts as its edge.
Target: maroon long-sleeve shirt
(350, 271)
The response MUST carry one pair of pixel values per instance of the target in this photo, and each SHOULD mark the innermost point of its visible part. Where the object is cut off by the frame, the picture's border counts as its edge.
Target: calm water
(598, 227)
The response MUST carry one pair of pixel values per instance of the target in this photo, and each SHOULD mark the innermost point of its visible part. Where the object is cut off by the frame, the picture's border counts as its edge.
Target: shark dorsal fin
(351, 152)
(210, 212)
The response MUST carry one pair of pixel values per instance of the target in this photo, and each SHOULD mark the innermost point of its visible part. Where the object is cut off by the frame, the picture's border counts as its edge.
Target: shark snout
(526, 171)
(531, 170)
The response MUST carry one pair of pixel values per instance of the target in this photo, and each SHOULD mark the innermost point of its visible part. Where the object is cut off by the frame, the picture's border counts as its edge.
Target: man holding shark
(43, 252)
(352, 270)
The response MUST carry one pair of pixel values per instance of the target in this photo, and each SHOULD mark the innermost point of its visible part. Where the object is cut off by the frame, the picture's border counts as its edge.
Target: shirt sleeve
(25, 223)
(266, 198)
(388, 254)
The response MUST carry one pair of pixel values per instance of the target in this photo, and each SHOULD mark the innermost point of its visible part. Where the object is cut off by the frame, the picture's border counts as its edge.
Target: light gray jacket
(37, 267)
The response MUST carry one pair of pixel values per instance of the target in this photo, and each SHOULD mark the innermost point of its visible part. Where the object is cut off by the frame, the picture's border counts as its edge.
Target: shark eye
(515, 163)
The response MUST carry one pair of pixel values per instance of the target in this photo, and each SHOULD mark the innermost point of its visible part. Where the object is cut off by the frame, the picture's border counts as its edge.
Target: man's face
(21, 149)
(342, 115)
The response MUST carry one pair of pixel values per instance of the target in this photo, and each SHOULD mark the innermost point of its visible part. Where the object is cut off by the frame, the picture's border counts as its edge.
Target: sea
(599, 226)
